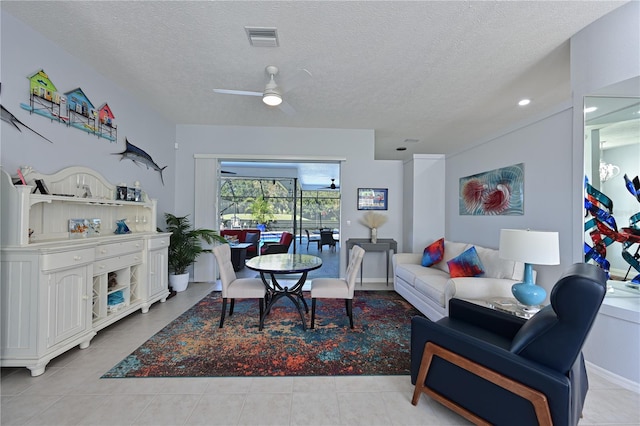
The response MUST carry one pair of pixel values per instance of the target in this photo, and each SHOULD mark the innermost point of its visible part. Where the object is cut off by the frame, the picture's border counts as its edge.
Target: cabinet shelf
(39, 198)
(117, 288)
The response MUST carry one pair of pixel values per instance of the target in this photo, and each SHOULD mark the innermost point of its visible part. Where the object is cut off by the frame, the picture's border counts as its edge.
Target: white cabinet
(58, 291)
(157, 270)
(45, 305)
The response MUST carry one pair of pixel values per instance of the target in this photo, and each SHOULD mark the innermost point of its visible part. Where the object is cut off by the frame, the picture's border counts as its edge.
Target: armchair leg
(224, 309)
(233, 302)
(536, 398)
(313, 312)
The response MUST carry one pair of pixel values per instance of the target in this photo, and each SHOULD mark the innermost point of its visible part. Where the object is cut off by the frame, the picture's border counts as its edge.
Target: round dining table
(284, 264)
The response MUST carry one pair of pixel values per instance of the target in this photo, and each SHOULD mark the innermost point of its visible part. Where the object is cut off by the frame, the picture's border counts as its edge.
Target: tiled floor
(71, 392)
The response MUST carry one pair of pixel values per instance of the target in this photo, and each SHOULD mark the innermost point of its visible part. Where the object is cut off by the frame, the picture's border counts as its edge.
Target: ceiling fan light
(272, 98)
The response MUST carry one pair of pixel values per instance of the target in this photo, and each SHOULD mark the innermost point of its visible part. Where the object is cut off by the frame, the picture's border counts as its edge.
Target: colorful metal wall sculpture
(603, 230)
(72, 108)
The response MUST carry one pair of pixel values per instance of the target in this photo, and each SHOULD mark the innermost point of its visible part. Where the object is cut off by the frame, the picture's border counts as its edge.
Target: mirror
(612, 150)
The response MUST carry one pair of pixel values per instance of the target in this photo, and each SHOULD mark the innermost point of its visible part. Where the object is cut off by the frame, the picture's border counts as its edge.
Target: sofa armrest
(478, 288)
(400, 258)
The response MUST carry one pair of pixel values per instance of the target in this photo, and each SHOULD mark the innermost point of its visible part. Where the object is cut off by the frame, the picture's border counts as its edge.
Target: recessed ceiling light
(524, 102)
(590, 109)
(401, 148)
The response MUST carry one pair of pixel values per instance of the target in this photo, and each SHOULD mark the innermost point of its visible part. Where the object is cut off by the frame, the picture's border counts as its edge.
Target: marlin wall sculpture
(139, 156)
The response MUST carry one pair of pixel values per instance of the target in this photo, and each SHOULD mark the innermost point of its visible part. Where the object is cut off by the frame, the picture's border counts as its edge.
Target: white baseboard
(614, 378)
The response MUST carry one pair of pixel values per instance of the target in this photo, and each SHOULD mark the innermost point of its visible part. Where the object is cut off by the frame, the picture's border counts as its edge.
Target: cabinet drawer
(117, 249)
(113, 264)
(158, 243)
(66, 259)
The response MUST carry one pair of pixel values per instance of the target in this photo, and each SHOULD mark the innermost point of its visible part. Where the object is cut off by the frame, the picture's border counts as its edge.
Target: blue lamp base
(527, 292)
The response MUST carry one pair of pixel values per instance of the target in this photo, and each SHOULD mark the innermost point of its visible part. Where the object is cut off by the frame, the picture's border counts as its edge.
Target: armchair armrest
(500, 323)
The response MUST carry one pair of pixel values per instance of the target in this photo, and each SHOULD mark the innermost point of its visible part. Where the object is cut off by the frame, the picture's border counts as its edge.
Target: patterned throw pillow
(433, 253)
(466, 264)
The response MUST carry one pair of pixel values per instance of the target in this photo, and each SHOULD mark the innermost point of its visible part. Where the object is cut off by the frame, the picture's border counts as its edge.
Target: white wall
(605, 60)
(544, 146)
(23, 53)
(355, 147)
(424, 195)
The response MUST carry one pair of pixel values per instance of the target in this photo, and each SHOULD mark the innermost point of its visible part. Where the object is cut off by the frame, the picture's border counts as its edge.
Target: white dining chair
(338, 288)
(233, 287)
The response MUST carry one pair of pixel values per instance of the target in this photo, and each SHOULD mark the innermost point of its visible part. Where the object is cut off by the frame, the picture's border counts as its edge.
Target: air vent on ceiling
(262, 36)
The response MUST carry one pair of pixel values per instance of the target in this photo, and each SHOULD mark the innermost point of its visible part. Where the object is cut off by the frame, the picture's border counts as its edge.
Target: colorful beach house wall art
(72, 108)
(41, 86)
(105, 115)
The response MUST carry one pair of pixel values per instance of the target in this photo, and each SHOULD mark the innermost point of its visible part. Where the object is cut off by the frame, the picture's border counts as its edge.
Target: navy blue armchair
(494, 368)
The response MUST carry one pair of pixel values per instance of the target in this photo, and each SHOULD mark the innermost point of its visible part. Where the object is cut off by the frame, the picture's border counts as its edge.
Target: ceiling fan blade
(237, 92)
(296, 80)
(286, 108)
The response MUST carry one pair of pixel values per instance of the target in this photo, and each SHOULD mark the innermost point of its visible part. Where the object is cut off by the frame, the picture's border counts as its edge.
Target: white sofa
(430, 288)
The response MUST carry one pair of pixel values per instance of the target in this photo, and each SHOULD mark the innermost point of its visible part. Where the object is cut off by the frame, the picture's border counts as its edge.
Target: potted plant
(185, 246)
(262, 212)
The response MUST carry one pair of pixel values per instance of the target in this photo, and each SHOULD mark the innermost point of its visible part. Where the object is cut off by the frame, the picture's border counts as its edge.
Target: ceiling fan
(333, 185)
(272, 94)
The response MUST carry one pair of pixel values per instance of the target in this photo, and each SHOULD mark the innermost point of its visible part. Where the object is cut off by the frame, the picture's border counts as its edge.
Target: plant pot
(179, 282)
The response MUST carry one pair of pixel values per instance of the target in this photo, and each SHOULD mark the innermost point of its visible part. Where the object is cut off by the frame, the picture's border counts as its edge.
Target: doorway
(301, 198)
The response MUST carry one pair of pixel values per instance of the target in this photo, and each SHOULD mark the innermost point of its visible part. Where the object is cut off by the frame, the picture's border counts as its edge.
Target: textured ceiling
(444, 73)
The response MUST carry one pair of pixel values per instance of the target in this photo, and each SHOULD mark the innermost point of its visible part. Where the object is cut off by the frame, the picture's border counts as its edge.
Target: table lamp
(529, 247)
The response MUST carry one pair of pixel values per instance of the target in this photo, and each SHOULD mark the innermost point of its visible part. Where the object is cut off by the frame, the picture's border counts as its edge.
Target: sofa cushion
(496, 267)
(433, 253)
(408, 271)
(451, 250)
(432, 286)
(467, 264)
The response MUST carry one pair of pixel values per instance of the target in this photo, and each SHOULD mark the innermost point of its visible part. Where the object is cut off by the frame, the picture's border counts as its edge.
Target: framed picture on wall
(372, 198)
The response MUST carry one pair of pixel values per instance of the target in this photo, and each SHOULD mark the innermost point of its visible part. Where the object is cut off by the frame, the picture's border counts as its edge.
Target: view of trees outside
(247, 202)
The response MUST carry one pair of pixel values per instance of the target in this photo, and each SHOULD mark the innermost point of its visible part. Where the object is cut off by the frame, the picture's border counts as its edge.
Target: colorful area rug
(193, 346)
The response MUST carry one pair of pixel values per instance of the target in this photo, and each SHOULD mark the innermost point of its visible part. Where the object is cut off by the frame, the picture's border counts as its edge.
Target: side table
(381, 245)
(239, 255)
(508, 305)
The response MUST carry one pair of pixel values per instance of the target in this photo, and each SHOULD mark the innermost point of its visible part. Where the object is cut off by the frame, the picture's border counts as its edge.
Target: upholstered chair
(338, 288)
(281, 246)
(495, 368)
(233, 287)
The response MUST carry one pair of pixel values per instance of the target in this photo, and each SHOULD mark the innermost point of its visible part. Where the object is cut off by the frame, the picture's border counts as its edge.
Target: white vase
(179, 282)
(374, 235)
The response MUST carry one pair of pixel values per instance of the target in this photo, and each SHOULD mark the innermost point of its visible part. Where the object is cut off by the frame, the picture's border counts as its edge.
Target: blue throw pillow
(433, 253)
(252, 237)
(466, 264)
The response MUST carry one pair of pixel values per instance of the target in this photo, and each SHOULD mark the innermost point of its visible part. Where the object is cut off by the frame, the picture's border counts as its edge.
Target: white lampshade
(535, 247)
(272, 99)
